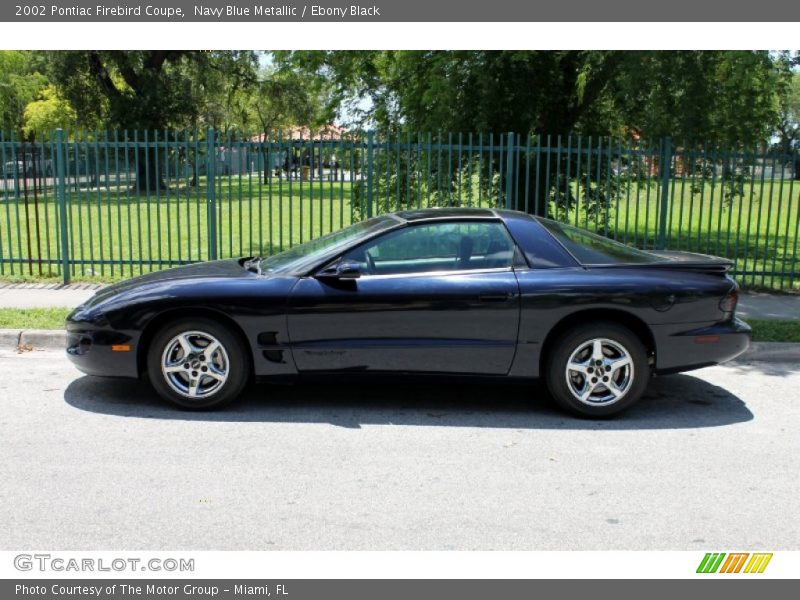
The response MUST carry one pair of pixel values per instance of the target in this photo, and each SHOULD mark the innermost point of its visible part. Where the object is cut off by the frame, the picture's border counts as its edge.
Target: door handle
(495, 297)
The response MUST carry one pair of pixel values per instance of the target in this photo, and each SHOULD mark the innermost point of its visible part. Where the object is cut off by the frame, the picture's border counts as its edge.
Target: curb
(45, 339)
(9, 338)
(55, 339)
(32, 339)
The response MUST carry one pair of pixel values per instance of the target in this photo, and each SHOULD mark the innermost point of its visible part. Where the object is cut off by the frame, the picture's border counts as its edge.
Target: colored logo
(735, 562)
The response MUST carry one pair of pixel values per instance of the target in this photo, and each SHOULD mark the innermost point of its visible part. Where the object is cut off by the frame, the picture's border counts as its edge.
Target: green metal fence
(112, 205)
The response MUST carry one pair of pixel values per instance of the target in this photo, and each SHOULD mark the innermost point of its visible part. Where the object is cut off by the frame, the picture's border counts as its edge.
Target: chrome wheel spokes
(599, 371)
(195, 364)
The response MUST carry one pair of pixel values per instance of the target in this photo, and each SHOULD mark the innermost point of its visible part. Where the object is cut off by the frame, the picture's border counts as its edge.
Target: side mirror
(345, 269)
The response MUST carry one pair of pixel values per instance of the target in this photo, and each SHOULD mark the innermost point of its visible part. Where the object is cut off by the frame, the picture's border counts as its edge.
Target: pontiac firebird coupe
(445, 292)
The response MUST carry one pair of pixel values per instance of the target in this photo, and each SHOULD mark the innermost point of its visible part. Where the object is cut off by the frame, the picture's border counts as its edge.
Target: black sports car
(446, 292)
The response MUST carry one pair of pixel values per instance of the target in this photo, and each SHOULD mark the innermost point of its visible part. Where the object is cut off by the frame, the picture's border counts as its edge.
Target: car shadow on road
(768, 368)
(674, 402)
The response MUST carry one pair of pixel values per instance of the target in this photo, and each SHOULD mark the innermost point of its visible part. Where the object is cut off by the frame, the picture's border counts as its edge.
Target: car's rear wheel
(597, 370)
(197, 364)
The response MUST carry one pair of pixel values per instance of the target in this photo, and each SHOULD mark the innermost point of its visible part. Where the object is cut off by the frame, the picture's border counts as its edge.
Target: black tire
(581, 337)
(219, 393)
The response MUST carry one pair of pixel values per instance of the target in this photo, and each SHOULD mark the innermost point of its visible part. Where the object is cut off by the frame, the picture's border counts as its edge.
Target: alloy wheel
(195, 364)
(599, 372)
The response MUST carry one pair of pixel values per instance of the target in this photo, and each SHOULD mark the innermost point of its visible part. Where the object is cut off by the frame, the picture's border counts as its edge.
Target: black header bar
(402, 10)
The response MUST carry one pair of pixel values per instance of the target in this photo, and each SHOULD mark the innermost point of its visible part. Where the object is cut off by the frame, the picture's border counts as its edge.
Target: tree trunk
(149, 173)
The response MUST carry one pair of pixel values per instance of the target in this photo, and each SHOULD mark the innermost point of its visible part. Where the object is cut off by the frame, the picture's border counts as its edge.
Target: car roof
(432, 214)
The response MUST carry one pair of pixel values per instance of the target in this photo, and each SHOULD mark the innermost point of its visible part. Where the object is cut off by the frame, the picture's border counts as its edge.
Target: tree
(147, 90)
(282, 99)
(20, 83)
(698, 97)
(270, 100)
(48, 112)
(789, 125)
(694, 96)
(717, 96)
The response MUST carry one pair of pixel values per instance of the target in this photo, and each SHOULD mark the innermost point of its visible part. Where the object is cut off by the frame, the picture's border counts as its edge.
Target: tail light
(728, 304)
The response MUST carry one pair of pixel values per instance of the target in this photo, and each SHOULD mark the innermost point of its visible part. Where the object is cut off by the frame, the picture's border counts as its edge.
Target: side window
(447, 246)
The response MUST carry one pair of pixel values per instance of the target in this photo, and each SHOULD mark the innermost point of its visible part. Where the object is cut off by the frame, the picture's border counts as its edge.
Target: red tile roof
(325, 132)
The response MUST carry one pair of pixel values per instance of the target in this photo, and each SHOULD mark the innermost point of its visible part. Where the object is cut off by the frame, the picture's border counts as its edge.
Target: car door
(434, 297)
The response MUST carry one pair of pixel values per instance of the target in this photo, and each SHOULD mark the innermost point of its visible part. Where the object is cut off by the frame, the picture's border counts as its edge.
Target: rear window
(592, 249)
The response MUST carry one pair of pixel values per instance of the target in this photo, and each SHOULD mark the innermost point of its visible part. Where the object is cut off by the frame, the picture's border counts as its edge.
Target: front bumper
(678, 351)
(97, 351)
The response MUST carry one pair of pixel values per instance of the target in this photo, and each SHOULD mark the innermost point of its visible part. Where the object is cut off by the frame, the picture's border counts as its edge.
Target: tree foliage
(789, 107)
(49, 111)
(147, 89)
(729, 98)
(227, 90)
(287, 98)
(20, 83)
(717, 98)
(696, 96)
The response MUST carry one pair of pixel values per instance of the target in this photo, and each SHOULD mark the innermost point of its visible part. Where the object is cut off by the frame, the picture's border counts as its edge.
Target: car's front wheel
(197, 364)
(597, 370)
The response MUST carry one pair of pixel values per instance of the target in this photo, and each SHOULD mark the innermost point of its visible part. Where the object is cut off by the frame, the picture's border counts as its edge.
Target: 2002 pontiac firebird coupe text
(445, 292)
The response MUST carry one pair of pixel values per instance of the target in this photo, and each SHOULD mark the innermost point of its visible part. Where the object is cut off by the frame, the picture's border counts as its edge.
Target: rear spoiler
(695, 266)
(692, 261)
(681, 261)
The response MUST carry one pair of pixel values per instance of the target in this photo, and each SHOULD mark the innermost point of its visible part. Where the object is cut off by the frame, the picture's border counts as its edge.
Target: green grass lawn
(768, 330)
(111, 227)
(764, 330)
(33, 318)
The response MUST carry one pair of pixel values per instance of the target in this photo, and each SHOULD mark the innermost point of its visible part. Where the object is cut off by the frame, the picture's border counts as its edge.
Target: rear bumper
(678, 351)
(91, 351)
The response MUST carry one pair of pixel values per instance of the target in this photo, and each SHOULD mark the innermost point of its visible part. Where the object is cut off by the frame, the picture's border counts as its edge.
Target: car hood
(229, 268)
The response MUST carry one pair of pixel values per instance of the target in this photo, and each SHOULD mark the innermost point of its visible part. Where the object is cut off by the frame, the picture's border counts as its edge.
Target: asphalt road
(706, 461)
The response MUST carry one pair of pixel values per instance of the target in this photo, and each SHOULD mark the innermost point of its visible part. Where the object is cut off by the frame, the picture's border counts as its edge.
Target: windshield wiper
(253, 265)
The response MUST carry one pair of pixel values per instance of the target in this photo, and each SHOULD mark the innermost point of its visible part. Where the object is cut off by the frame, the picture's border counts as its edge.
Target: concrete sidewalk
(754, 305)
(45, 295)
(760, 305)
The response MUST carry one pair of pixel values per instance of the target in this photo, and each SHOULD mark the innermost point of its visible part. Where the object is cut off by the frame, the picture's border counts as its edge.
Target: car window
(300, 258)
(592, 249)
(444, 246)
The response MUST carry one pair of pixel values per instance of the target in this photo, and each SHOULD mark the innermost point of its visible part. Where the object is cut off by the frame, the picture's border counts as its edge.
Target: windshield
(592, 249)
(299, 259)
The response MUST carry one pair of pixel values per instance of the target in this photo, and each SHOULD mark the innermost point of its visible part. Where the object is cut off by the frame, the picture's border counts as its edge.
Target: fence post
(664, 172)
(61, 199)
(509, 169)
(211, 193)
(370, 165)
